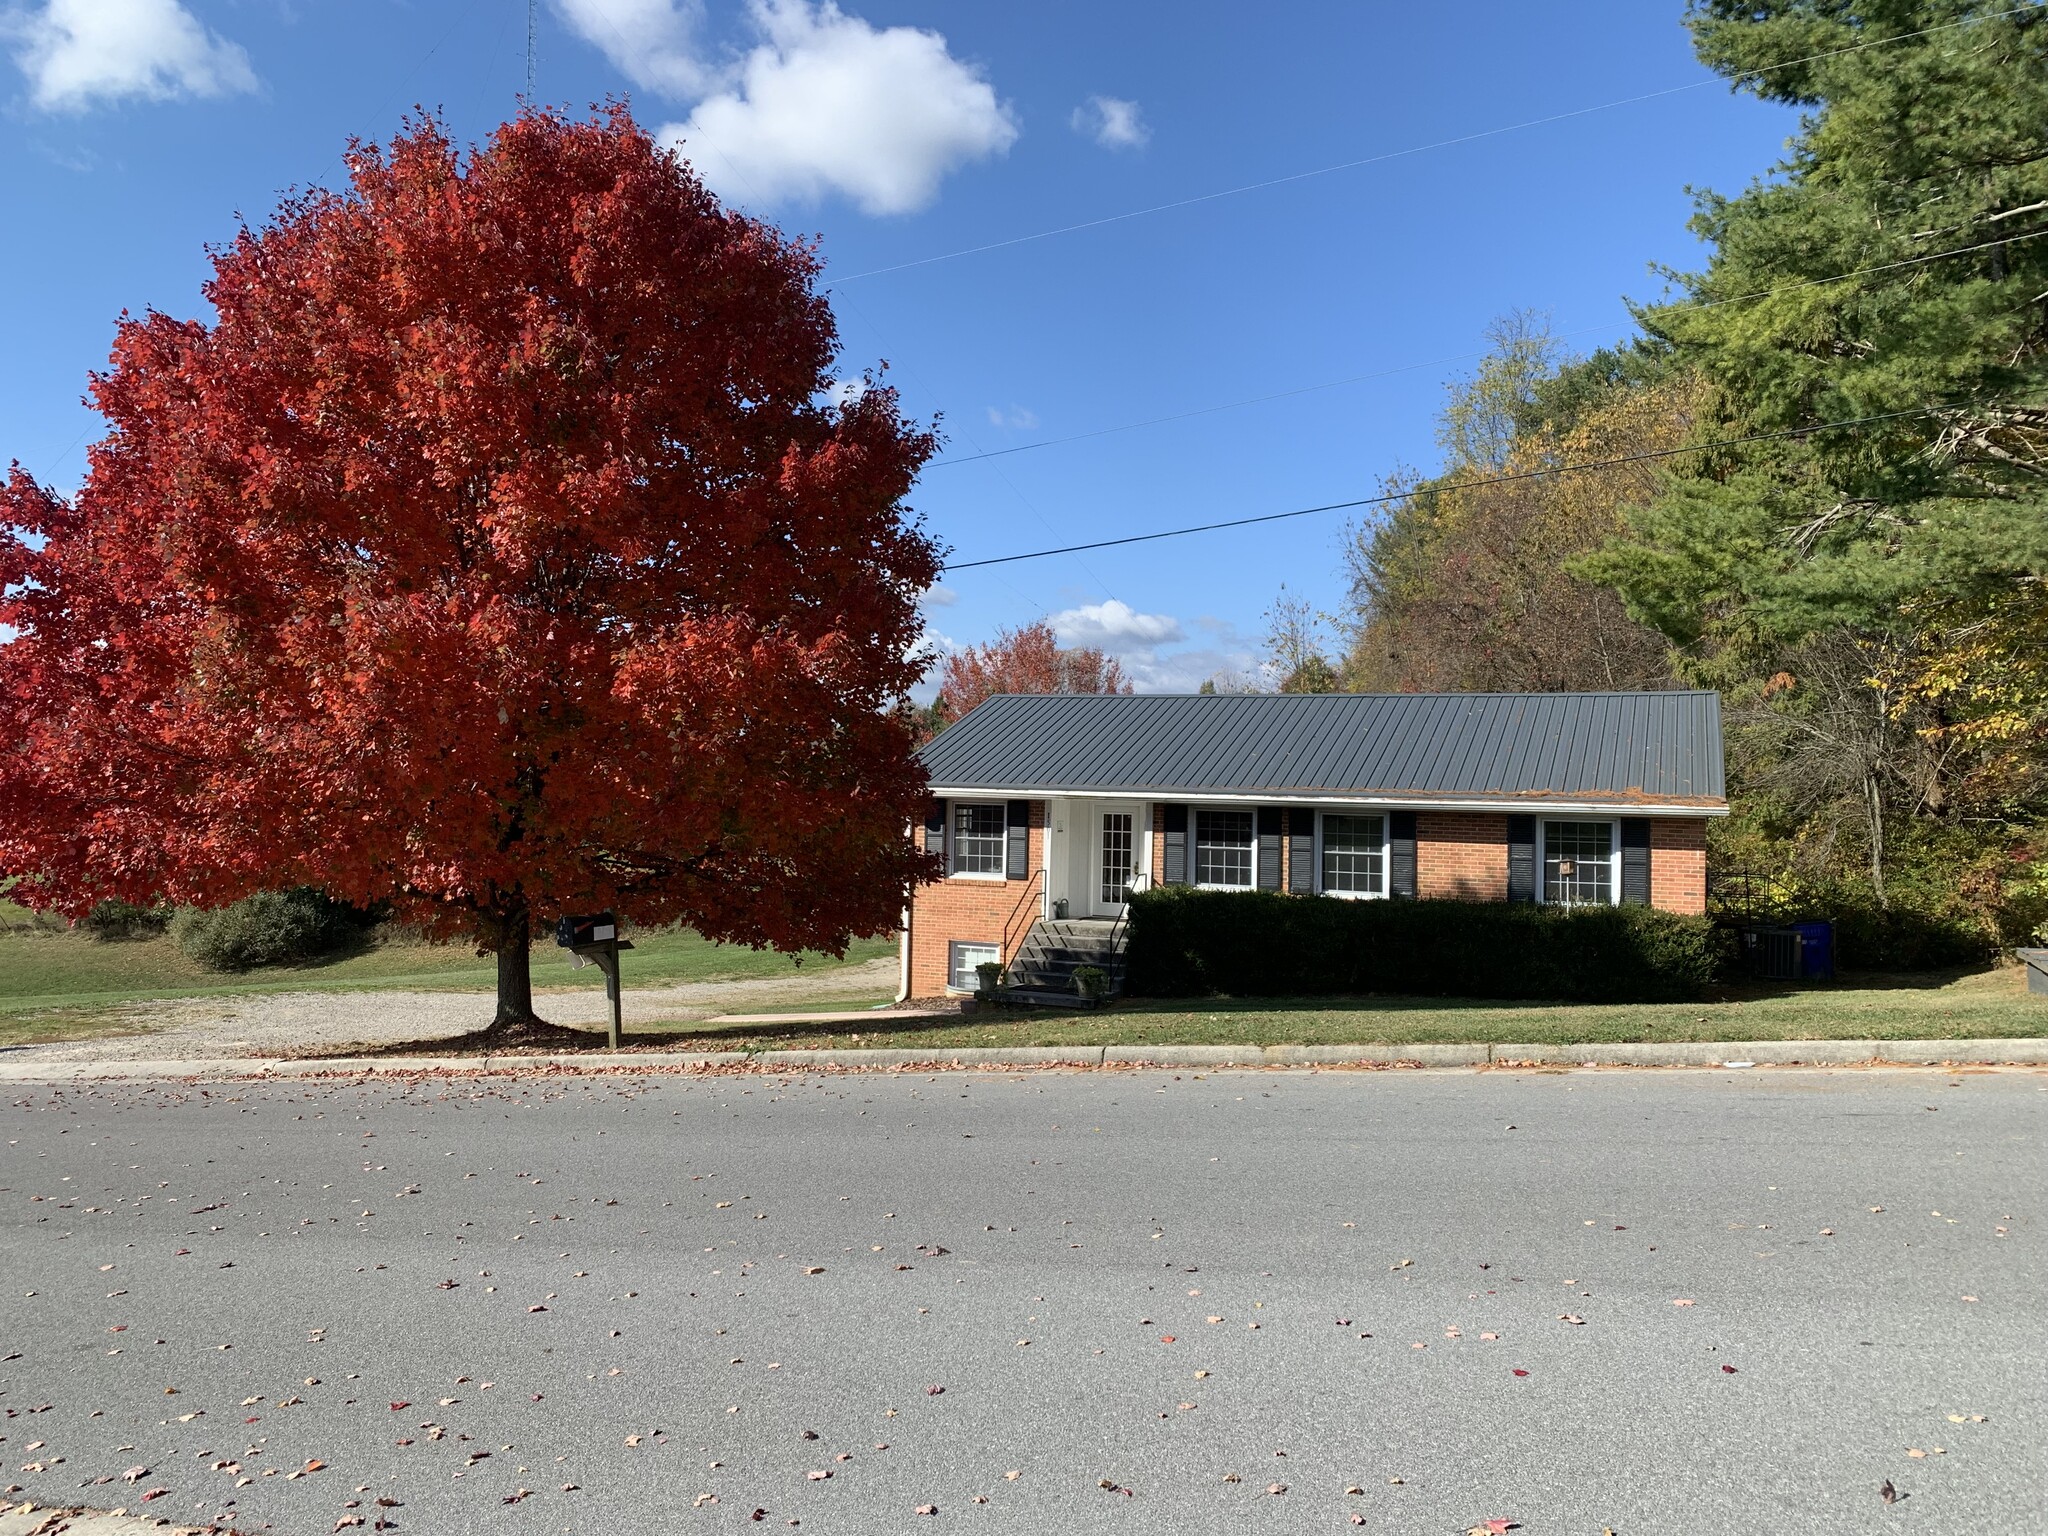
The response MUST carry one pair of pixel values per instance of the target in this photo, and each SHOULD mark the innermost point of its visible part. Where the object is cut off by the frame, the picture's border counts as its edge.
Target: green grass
(1971, 1005)
(42, 971)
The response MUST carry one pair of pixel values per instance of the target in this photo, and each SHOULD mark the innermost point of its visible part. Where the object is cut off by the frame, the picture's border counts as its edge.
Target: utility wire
(1463, 485)
(1414, 149)
(1682, 307)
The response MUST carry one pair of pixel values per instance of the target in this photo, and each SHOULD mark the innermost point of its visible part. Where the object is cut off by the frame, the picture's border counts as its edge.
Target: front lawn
(42, 970)
(1969, 1005)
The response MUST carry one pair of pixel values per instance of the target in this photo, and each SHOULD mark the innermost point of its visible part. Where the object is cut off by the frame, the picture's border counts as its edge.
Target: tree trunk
(1873, 800)
(515, 976)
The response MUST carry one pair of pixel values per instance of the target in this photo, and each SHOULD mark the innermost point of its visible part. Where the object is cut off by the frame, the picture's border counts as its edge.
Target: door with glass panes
(1115, 847)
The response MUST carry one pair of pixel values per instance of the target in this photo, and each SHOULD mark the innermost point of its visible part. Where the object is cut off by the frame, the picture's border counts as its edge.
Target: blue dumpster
(1816, 951)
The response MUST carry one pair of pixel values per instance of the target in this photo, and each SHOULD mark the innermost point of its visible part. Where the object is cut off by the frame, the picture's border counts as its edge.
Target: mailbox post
(594, 940)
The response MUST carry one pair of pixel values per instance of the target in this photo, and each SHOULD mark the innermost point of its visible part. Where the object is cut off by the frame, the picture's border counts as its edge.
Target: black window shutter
(1269, 847)
(1301, 851)
(1521, 858)
(1401, 854)
(1174, 819)
(1017, 860)
(1635, 860)
(935, 828)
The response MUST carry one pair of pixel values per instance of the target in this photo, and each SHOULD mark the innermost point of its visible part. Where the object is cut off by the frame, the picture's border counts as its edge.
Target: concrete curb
(20, 1066)
(42, 1520)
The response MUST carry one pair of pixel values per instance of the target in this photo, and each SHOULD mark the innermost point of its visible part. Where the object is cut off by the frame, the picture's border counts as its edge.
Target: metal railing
(1011, 945)
(1140, 880)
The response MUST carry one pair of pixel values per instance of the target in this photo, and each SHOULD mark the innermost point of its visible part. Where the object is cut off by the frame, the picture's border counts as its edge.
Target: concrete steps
(1042, 973)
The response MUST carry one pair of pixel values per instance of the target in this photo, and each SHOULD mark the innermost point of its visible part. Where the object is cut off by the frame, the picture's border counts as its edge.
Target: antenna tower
(531, 7)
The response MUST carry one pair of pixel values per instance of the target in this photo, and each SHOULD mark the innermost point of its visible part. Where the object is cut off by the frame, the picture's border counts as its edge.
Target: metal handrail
(1140, 880)
(1038, 879)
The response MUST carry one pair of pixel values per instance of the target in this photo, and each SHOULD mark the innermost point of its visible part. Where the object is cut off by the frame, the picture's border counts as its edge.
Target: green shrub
(125, 920)
(1186, 943)
(1900, 938)
(269, 928)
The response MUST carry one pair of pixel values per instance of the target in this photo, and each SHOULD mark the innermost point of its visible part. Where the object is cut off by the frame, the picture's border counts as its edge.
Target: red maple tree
(1025, 660)
(497, 551)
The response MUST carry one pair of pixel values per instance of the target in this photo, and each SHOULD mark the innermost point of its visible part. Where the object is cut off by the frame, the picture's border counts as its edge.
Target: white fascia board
(1376, 802)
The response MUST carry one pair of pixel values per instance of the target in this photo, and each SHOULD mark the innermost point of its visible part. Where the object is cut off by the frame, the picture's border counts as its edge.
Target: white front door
(1116, 844)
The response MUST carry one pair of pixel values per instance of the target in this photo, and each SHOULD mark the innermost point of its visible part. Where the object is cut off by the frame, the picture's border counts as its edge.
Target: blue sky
(135, 131)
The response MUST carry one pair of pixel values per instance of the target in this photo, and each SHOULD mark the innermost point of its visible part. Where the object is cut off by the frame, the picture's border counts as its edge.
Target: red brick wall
(1461, 855)
(1678, 864)
(1158, 845)
(969, 910)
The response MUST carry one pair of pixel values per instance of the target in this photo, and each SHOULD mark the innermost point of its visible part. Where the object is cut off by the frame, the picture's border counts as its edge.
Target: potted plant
(1092, 982)
(988, 983)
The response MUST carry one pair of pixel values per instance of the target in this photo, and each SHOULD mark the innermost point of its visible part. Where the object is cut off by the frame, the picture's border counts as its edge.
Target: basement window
(961, 961)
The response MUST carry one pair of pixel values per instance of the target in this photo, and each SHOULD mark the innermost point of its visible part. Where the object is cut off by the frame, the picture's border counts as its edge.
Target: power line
(1384, 373)
(1415, 149)
(1463, 485)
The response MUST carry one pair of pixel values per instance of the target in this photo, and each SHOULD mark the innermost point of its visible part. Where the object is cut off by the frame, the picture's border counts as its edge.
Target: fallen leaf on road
(1682, 1302)
(1887, 1492)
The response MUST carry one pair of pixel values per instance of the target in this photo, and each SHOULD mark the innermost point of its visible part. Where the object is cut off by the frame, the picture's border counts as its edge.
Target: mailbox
(583, 932)
(594, 940)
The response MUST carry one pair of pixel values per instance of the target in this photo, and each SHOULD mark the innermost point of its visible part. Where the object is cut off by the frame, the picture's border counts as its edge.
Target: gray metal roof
(1627, 748)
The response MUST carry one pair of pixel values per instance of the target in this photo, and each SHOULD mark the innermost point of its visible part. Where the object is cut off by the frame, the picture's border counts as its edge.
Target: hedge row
(1188, 943)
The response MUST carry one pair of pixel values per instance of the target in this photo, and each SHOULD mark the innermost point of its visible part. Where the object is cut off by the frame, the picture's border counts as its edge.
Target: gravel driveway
(280, 1023)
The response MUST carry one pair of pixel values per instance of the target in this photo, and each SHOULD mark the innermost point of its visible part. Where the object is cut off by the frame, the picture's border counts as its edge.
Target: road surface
(1122, 1302)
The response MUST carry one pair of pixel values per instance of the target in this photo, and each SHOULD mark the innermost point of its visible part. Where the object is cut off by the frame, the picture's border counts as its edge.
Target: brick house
(1049, 809)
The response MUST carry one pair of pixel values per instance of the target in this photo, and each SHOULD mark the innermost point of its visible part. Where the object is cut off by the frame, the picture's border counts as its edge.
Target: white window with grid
(1224, 846)
(980, 838)
(1580, 863)
(1354, 855)
(961, 960)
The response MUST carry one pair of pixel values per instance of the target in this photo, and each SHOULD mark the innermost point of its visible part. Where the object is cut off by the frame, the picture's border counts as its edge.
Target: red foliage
(1027, 660)
(492, 552)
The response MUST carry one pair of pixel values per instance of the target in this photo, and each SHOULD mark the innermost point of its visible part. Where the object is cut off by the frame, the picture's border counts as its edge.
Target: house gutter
(1386, 802)
(903, 962)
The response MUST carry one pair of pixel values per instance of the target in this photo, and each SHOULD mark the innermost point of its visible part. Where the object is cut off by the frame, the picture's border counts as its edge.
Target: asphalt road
(1133, 1303)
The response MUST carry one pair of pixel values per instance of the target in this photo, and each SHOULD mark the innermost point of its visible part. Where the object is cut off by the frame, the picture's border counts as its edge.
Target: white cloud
(826, 103)
(1112, 122)
(1115, 627)
(938, 595)
(1017, 418)
(1186, 671)
(76, 52)
(653, 43)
